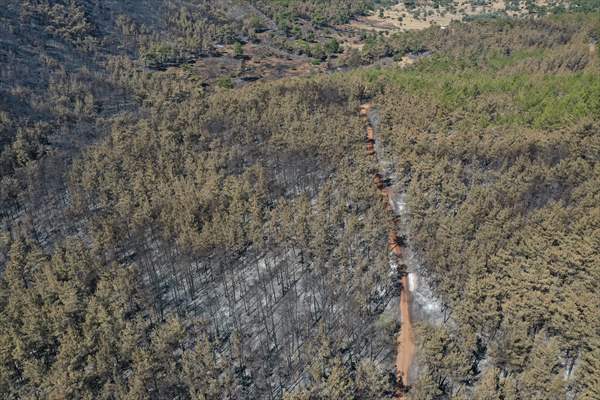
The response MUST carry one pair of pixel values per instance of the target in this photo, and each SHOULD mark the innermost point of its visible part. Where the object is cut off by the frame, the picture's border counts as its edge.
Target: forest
(172, 229)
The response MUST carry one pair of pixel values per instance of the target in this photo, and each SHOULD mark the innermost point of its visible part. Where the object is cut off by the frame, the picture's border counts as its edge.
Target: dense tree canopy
(166, 237)
(501, 173)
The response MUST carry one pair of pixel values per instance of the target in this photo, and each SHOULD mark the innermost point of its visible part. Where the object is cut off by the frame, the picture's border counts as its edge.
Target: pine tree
(371, 381)
(489, 386)
(543, 375)
(338, 384)
(587, 376)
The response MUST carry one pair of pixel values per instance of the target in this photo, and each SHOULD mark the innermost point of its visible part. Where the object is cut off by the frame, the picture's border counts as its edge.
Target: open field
(427, 14)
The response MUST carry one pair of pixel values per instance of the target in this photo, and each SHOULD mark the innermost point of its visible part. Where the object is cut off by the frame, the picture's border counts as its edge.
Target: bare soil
(401, 18)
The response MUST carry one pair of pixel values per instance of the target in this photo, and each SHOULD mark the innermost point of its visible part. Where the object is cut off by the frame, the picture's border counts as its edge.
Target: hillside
(270, 199)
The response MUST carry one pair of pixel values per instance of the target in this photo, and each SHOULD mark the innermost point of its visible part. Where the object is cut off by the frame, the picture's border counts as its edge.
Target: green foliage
(496, 155)
(64, 19)
(332, 46)
(225, 82)
(159, 54)
(238, 49)
(320, 13)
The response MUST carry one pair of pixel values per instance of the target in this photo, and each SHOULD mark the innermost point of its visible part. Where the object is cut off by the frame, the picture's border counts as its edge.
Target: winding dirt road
(406, 341)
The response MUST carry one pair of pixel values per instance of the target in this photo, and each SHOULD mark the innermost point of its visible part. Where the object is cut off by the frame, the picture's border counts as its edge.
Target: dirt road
(406, 340)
